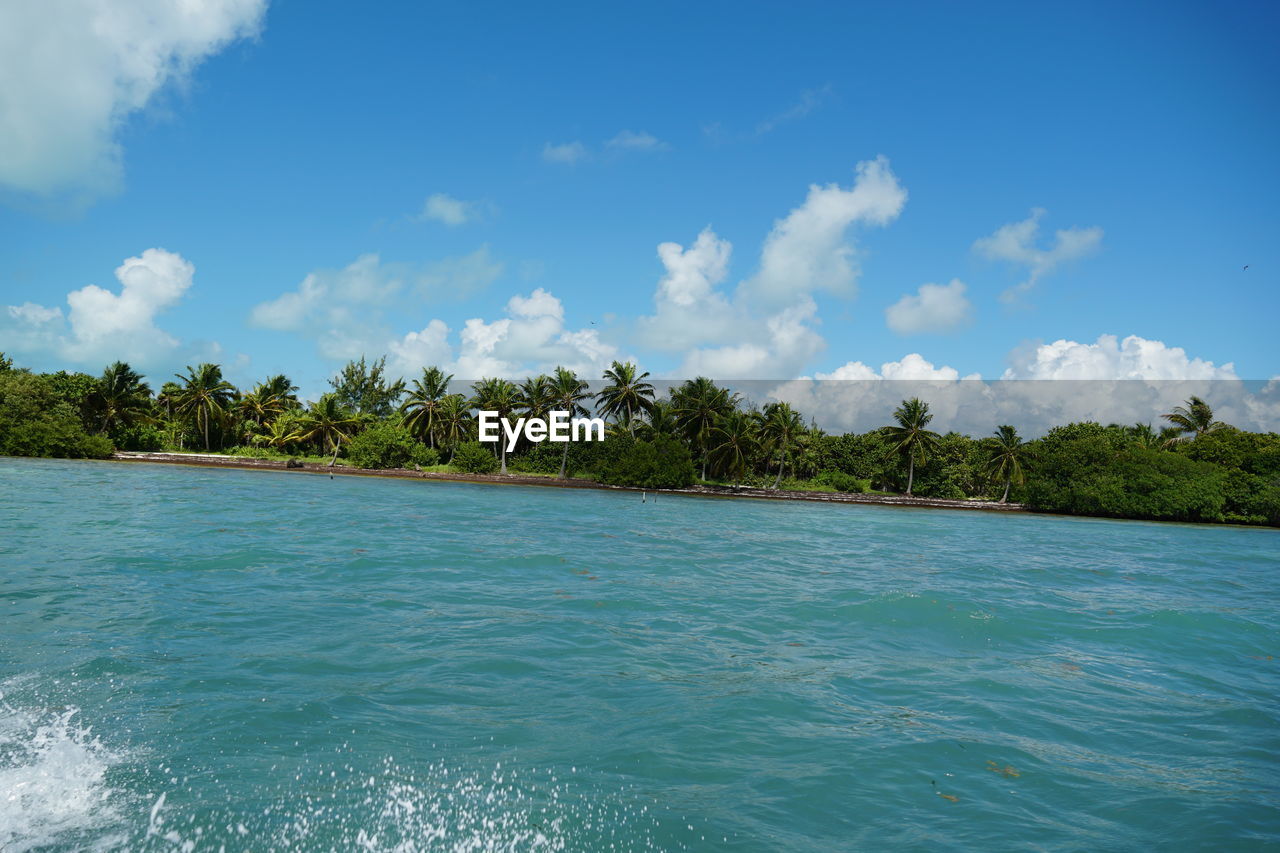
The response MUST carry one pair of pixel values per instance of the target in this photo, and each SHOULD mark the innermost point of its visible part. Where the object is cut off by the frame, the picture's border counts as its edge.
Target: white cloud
(73, 71)
(779, 346)
(934, 308)
(1111, 358)
(807, 251)
(344, 309)
(567, 153)
(768, 328)
(628, 140)
(102, 325)
(912, 367)
(690, 310)
(531, 339)
(1015, 243)
(441, 207)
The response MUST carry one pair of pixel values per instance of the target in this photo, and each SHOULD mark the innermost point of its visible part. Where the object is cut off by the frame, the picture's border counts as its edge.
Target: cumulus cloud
(807, 250)
(102, 325)
(73, 71)
(1016, 243)
(768, 327)
(1111, 358)
(444, 208)
(1130, 381)
(531, 339)
(566, 153)
(933, 308)
(628, 140)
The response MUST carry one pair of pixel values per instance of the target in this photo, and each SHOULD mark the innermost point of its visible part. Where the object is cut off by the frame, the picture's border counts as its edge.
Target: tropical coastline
(696, 437)
(247, 462)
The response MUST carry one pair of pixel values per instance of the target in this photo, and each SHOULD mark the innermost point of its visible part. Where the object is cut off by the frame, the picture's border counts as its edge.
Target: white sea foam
(53, 784)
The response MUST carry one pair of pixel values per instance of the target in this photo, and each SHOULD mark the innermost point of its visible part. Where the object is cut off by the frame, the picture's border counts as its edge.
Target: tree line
(1192, 468)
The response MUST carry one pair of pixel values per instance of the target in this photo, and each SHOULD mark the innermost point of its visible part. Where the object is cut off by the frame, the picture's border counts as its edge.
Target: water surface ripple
(203, 659)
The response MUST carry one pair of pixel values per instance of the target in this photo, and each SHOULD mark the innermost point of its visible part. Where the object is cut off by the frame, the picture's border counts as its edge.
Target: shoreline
(214, 460)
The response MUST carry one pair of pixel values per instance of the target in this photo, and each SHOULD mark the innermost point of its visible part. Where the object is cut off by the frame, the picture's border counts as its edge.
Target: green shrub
(388, 445)
(842, 482)
(474, 458)
(663, 463)
(35, 422)
(1084, 476)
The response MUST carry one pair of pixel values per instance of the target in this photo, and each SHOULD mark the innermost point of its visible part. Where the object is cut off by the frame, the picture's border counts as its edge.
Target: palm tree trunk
(564, 460)
(504, 456)
(1007, 484)
(781, 464)
(911, 472)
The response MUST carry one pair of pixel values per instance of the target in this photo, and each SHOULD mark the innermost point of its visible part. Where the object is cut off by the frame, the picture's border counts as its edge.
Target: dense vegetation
(1194, 469)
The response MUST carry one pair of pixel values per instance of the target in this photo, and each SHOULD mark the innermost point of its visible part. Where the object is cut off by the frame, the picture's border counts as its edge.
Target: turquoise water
(207, 659)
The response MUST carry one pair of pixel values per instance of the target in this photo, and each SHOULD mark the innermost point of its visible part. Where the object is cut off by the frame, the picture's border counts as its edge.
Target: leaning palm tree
(501, 396)
(1006, 458)
(733, 439)
(626, 395)
(120, 397)
(204, 398)
(422, 406)
(1192, 420)
(780, 426)
(328, 424)
(453, 421)
(567, 394)
(698, 404)
(910, 438)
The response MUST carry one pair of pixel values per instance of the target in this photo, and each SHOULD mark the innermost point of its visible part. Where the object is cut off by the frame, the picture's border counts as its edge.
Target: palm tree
(780, 425)
(567, 394)
(120, 397)
(204, 397)
(1144, 436)
(281, 432)
(1006, 458)
(626, 394)
(733, 440)
(422, 406)
(1192, 420)
(535, 396)
(328, 423)
(910, 438)
(453, 422)
(501, 396)
(661, 420)
(699, 403)
(268, 400)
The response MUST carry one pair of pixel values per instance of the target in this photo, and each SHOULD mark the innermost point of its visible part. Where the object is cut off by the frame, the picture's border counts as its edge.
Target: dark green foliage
(388, 445)
(36, 421)
(475, 458)
(663, 463)
(1086, 475)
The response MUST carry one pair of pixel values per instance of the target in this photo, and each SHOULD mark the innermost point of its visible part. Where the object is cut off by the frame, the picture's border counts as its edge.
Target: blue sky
(244, 152)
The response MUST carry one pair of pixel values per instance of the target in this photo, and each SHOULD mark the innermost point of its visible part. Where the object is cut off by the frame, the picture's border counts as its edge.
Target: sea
(202, 659)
